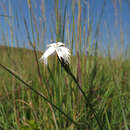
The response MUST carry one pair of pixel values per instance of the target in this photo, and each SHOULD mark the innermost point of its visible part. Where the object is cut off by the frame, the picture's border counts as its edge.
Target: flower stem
(67, 69)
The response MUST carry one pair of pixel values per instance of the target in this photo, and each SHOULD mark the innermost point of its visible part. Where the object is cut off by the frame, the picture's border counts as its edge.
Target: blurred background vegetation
(96, 32)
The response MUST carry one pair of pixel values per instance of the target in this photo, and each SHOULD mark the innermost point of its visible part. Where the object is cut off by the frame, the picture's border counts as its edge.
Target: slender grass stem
(34, 50)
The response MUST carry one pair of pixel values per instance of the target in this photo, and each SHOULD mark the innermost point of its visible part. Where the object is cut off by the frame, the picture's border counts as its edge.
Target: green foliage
(31, 126)
(107, 92)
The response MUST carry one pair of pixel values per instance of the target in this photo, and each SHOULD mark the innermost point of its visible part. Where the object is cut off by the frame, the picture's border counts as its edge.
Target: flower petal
(47, 53)
(63, 53)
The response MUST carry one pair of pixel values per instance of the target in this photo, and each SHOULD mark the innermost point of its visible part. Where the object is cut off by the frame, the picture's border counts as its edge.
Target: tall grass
(48, 97)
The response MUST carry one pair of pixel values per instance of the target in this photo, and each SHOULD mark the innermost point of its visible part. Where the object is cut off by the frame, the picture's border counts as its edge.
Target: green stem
(67, 69)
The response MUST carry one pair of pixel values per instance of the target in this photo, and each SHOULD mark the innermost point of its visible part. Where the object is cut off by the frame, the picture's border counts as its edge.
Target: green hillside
(105, 82)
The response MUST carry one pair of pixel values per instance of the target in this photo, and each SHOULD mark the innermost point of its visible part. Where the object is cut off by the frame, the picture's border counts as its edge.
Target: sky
(13, 32)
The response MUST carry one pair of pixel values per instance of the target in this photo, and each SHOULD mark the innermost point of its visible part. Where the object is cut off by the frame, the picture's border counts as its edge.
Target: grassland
(106, 85)
(38, 97)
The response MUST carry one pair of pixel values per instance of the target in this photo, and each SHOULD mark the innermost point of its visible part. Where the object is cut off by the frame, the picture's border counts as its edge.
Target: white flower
(59, 48)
